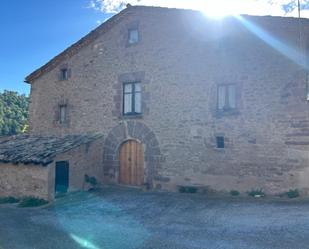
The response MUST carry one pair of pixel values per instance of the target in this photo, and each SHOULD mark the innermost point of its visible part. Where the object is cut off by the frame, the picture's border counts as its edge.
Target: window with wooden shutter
(62, 114)
(226, 97)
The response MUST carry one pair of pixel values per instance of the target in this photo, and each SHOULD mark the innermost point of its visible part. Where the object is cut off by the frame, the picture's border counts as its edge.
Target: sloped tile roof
(27, 149)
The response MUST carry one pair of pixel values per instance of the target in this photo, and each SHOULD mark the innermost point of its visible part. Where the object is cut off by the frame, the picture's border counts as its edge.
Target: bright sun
(220, 8)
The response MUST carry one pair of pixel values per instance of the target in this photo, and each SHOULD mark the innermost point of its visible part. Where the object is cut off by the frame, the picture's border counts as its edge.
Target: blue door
(62, 177)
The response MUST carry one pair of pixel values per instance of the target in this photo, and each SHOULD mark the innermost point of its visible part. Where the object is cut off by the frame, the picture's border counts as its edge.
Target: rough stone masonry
(183, 60)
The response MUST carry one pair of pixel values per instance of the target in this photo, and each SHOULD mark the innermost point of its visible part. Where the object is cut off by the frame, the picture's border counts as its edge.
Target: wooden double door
(131, 163)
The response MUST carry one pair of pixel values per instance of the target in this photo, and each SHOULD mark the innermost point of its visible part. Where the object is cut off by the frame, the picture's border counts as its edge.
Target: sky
(34, 31)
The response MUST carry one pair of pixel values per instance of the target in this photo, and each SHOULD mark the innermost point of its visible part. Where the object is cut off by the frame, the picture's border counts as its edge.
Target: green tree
(13, 113)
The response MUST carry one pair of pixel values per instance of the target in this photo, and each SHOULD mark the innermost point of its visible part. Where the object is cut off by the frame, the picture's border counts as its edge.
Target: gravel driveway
(119, 218)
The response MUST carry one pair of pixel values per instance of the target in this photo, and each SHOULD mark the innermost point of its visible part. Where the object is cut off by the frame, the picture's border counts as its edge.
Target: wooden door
(131, 163)
(62, 177)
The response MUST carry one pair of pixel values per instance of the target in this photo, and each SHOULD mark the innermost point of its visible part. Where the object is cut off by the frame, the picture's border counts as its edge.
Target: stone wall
(24, 180)
(85, 159)
(180, 61)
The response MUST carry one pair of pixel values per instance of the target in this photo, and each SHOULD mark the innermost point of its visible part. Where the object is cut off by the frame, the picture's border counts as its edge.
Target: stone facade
(24, 180)
(180, 61)
(85, 159)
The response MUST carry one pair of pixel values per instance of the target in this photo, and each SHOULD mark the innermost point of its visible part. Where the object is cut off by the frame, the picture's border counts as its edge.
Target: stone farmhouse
(164, 98)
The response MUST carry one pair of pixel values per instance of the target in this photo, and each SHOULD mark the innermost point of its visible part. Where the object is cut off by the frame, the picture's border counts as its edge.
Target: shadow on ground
(120, 218)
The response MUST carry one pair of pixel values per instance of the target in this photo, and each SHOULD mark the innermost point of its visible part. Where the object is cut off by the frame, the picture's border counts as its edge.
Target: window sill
(220, 150)
(128, 45)
(131, 116)
(227, 112)
(61, 125)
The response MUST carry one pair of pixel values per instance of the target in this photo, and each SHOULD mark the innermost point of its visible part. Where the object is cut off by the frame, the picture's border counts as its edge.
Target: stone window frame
(118, 97)
(130, 30)
(228, 111)
(133, 25)
(307, 87)
(227, 142)
(62, 103)
(63, 114)
(227, 96)
(62, 68)
(133, 112)
(220, 142)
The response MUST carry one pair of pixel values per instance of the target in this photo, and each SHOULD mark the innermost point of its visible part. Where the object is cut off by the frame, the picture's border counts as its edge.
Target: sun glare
(221, 8)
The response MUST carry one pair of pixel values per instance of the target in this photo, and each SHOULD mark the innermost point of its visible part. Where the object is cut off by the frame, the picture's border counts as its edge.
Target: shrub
(8, 199)
(234, 193)
(91, 180)
(292, 193)
(256, 193)
(182, 189)
(30, 201)
(187, 189)
(191, 190)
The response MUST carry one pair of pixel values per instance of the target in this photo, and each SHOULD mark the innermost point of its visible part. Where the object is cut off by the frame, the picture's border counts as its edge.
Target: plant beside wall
(92, 181)
(8, 199)
(256, 193)
(234, 193)
(292, 193)
(187, 189)
(30, 201)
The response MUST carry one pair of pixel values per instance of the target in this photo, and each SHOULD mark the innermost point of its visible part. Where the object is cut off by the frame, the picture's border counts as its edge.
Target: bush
(234, 193)
(188, 189)
(91, 180)
(292, 193)
(182, 189)
(256, 193)
(8, 199)
(191, 190)
(30, 201)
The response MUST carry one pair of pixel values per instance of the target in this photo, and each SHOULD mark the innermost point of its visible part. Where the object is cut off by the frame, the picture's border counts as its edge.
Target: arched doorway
(131, 157)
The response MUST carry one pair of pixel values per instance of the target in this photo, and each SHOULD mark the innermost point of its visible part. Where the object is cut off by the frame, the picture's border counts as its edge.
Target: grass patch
(8, 199)
(30, 201)
(256, 193)
(234, 193)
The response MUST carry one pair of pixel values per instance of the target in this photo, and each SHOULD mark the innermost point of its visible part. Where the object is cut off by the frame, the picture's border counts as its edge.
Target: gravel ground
(119, 218)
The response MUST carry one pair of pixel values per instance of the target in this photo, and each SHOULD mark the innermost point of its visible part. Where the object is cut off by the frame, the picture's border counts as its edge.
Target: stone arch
(131, 130)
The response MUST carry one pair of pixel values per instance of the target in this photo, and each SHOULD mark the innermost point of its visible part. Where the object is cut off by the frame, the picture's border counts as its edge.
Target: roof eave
(67, 53)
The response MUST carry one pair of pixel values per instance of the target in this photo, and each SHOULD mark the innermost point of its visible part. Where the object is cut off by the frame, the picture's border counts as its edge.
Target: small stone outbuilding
(41, 166)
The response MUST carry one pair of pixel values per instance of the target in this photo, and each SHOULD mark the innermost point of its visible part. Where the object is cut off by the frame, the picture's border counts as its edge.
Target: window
(133, 36)
(226, 97)
(220, 142)
(307, 88)
(64, 75)
(132, 99)
(62, 113)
